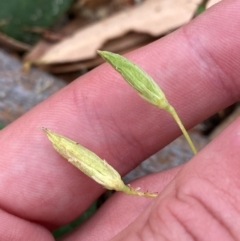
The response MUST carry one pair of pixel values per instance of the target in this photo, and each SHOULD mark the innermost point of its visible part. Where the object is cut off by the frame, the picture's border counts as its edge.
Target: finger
(120, 210)
(102, 113)
(203, 196)
(15, 228)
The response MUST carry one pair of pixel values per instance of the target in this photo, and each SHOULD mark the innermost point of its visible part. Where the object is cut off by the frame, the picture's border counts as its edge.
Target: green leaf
(201, 8)
(16, 16)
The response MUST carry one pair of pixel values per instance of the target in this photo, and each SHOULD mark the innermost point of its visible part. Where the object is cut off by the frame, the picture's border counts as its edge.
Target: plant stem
(129, 190)
(174, 114)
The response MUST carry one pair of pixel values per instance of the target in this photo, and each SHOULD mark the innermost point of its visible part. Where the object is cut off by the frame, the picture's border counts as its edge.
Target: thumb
(202, 202)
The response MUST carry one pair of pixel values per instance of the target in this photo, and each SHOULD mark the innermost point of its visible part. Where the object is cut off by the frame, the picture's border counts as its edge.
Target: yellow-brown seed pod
(91, 164)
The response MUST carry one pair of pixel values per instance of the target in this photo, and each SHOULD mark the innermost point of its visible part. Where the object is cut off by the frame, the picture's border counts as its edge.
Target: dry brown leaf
(153, 17)
(13, 43)
(38, 50)
(44, 45)
(121, 45)
(210, 3)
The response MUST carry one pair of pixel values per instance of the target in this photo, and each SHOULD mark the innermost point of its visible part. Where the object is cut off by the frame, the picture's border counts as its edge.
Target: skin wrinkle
(82, 107)
(68, 95)
(165, 226)
(224, 192)
(104, 130)
(223, 188)
(137, 233)
(234, 197)
(141, 209)
(77, 97)
(130, 155)
(146, 213)
(85, 102)
(188, 232)
(180, 196)
(222, 74)
(139, 236)
(149, 228)
(204, 55)
(115, 129)
(138, 146)
(161, 220)
(182, 222)
(150, 224)
(125, 136)
(214, 215)
(119, 151)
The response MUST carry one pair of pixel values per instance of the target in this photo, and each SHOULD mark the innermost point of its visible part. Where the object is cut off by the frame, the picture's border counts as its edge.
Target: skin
(197, 67)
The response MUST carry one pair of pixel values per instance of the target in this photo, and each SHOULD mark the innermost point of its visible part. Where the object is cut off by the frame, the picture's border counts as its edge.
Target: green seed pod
(90, 164)
(137, 78)
(145, 86)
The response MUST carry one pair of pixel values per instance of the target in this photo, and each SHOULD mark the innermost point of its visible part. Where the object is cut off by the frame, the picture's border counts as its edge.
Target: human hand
(197, 66)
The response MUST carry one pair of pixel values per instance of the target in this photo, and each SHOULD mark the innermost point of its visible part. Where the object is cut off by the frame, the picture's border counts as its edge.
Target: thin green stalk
(174, 114)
